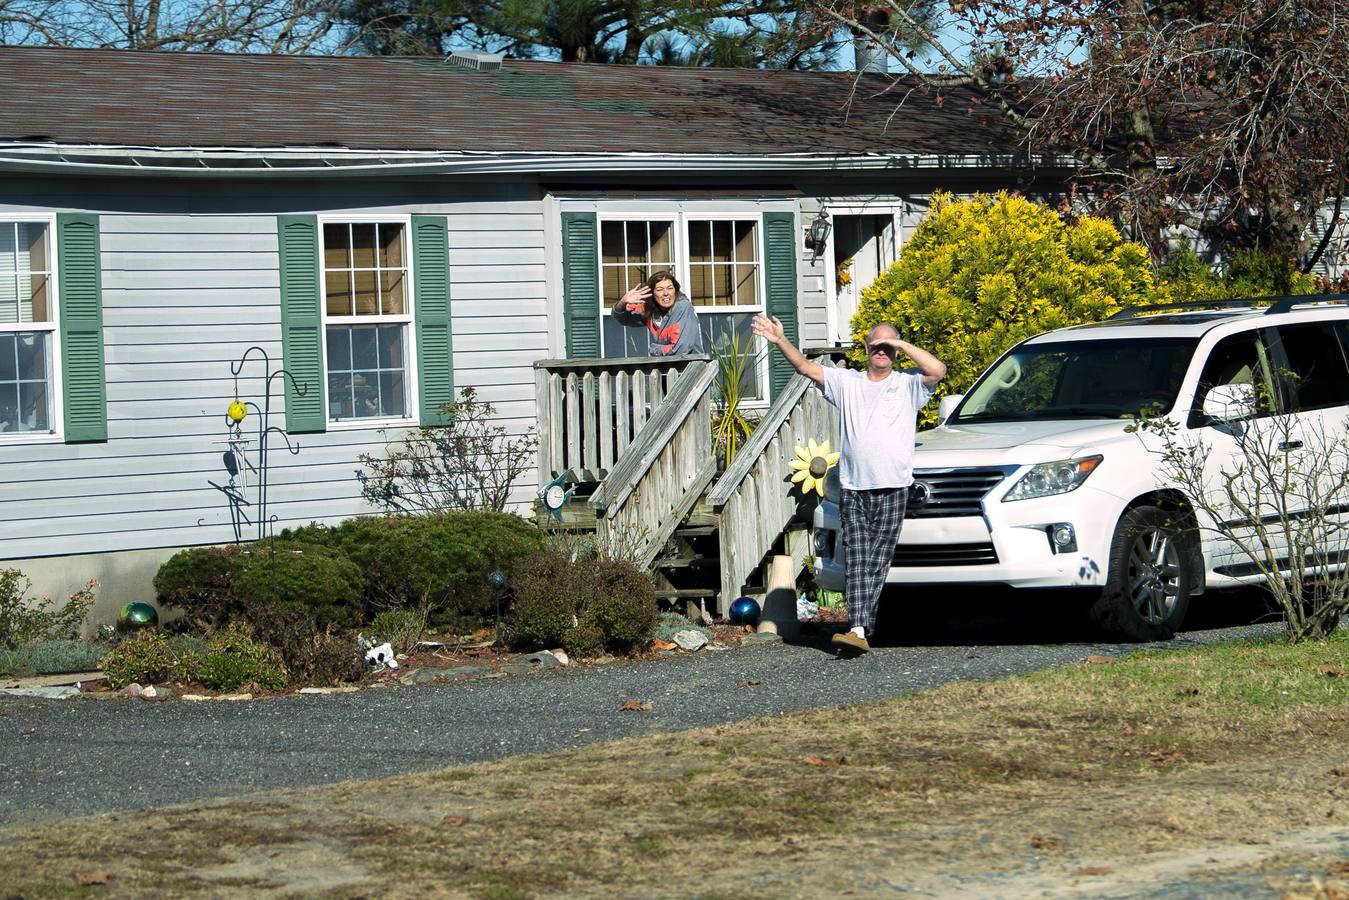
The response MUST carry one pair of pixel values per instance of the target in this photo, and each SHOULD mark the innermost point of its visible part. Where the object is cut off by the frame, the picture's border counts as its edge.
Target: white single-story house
(391, 230)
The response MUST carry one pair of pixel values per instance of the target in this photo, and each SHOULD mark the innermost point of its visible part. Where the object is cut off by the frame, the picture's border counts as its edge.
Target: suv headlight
(1048, 479)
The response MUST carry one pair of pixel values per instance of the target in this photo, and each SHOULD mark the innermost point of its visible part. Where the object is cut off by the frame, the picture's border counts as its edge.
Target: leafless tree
(1226, 117)
(231, 26)
(1278, 510)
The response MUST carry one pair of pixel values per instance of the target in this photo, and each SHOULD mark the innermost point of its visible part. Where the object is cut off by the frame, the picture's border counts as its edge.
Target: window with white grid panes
(718, 263)
(366, 312)
(27, 328)
(631, 251)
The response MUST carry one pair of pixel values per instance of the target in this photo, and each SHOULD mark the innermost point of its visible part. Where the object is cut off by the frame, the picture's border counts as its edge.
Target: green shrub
(585, 641)
(24, 619)
(187, 667)
(51, 657)
(587, 605)
(624, 608)
(318, 578)
(439, 561)
(402, 628)
(550, 590)
(1249, 273)
(228, 672)
(145, 659)
(235, 659)
(200, 582)
(979, 275)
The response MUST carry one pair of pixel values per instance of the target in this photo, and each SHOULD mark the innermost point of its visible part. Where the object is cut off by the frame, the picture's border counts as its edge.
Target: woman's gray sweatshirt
(674, 334)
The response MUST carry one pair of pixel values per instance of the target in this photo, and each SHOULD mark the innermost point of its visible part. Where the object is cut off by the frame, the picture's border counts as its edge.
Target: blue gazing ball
(137, 615)
(745, 611)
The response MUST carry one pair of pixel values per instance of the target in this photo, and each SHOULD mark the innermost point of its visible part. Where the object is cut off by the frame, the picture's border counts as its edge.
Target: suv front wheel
(1147, 592)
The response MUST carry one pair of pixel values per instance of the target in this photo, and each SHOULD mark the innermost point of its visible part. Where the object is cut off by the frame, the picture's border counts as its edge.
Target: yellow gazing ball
(237, 411)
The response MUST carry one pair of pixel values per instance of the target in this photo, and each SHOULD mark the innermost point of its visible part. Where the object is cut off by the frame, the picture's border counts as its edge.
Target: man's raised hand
(770, 329)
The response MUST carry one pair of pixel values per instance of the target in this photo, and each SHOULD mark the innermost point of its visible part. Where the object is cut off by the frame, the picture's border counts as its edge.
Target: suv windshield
(1100, 379)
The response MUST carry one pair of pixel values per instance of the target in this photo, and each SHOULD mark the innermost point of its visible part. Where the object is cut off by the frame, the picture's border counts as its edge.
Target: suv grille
(951, 492)
(944, 555)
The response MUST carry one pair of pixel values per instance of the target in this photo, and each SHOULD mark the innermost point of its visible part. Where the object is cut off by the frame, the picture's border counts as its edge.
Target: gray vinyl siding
(184, 295)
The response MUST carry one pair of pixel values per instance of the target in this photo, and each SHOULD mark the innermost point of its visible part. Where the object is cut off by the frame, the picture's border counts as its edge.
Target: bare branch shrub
(472, 463)
(1269, 503)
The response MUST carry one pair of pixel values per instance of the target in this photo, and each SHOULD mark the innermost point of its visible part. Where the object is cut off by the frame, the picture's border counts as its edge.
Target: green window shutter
(301, 322)
(84, 391)
(780, 293)
(431, 307)
(581, 283)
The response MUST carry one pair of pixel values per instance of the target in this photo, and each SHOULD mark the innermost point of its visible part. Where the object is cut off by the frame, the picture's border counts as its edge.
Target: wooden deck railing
(754, 498)
(663, 471)
(591, 410)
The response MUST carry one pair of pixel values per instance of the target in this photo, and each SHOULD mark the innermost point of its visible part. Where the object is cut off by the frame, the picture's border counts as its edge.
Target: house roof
(101, 104)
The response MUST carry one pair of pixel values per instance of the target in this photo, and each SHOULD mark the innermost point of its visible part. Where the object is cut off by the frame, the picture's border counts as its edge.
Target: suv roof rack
(1278, 304)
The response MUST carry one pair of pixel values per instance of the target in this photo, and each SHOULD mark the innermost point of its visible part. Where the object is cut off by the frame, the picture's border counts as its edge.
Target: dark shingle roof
(237, 101)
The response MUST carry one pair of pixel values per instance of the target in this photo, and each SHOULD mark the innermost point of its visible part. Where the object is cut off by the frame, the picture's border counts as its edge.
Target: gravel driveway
(80, 757)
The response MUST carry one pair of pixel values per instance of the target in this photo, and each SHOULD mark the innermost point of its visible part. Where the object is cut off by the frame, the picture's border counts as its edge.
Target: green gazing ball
(137, 615)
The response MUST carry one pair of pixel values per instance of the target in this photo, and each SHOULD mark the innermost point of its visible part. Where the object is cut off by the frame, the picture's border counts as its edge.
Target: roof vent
(478, 60)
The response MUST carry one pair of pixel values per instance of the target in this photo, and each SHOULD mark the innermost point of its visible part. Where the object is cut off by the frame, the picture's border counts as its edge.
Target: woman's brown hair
(652, 310)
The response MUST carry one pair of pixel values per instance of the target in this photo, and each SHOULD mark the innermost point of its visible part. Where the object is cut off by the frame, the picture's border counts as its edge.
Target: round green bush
(624, 608)
(200, 582)
(587, 606)
(145, 659)
(550, 590)
(440, 561)
(982, 273)
(320, 579)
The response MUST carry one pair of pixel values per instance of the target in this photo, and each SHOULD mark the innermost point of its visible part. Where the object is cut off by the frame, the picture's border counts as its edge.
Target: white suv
(1033, 481)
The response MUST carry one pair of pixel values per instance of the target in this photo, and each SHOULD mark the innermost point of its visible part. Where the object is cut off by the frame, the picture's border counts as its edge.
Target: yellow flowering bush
(978, 275)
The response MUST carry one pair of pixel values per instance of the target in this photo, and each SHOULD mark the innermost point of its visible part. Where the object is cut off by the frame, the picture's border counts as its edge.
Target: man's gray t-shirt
(877, 419)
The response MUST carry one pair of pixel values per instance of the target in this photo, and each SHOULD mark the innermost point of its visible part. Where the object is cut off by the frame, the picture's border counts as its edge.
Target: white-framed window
(367, 318)
(717, 259)
(29, 343)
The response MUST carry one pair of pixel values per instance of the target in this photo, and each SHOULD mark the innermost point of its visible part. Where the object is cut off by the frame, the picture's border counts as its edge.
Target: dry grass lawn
(1206, 764)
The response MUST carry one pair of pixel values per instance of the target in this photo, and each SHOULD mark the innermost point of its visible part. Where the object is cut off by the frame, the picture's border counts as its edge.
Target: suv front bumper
(1008, 544)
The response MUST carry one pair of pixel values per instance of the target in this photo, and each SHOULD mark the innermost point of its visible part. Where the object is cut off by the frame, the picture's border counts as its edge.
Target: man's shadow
(975, 615)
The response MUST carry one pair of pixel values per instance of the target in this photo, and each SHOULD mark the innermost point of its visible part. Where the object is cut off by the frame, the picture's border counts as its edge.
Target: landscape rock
(340, 689)
(542, 660)
(562, 656)
(690, 640)
(470, 671)
(133, 689)
(761, 637)
(424, 676)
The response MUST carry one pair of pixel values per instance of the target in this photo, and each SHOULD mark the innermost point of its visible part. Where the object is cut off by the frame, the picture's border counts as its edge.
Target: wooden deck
(635, 437)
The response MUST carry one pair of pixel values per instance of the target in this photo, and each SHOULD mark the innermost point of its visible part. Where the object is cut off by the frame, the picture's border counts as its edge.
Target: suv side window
(1237, 359)
(1316, 365)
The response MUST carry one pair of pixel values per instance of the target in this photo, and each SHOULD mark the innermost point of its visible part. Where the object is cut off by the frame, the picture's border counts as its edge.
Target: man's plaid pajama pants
(871, 521)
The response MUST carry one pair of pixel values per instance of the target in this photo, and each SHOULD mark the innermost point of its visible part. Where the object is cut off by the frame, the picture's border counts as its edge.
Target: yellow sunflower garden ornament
(237, 412)
(811, 465)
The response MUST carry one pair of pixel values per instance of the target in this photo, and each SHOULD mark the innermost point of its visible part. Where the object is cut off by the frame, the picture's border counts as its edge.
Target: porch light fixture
(817, 234)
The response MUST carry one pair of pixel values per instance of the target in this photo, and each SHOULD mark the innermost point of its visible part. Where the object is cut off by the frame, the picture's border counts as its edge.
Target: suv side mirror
(1230, 402)
(947, 405)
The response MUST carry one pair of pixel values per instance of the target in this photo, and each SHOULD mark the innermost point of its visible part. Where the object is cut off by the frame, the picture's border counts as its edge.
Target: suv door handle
(1289, 445)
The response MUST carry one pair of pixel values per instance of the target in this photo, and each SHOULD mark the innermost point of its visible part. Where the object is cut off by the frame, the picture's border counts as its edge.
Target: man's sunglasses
(883, 348)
